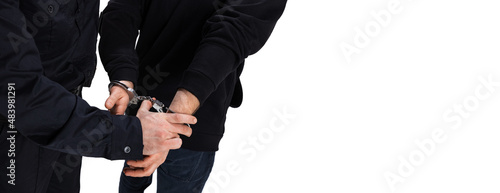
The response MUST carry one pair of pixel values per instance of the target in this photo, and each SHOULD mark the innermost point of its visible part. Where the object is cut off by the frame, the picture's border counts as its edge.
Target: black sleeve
(117, 47)
(48, 114)
(238, 29)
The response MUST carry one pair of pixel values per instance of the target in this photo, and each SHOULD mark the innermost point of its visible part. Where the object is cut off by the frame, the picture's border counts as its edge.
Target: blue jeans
(184, 171)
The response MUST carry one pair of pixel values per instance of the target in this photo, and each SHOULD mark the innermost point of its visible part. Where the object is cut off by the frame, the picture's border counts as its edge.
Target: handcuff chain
(135, 98)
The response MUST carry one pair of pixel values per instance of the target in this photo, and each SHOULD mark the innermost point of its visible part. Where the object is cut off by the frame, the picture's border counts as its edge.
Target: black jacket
(46, 48)
(199, 45)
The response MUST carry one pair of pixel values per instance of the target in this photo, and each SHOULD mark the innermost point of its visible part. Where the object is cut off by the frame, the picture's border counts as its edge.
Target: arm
(237, 30)
(50, 116)
(184, 102)
(120, 23)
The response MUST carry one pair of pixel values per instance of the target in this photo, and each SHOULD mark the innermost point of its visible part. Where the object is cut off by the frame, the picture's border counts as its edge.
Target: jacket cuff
(126, 138)
(128, 74)
(210, 66)
(198, 84)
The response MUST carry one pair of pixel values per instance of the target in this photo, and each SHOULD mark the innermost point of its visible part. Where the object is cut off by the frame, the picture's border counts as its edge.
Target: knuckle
(163, 134)
(177, 117)
(169, 135)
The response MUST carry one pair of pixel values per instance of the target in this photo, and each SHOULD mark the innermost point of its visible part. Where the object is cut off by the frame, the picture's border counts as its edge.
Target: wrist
(128, 83)
(184, 102)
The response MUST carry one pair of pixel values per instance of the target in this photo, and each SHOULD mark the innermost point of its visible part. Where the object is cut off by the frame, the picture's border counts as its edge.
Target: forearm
(120, 22)
(96, 133)
(47, 113)
(184, 102)
(235, 31)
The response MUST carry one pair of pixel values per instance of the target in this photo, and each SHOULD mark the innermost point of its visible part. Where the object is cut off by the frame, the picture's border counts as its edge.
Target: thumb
(145, 106)
(111, 101)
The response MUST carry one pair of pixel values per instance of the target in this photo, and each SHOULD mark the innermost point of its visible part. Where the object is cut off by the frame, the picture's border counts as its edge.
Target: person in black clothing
(190, 55)
(47, 53)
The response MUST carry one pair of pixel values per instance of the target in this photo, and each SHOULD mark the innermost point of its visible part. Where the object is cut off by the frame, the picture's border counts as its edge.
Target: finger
(146, 170)
(111, 101)
(138, 172)
(141, 163)
(180, 129)
(145, 106)
(174, 143)
(180, 118)
(149, 170)
(164, 135)
(113, 111)
(121, 106)
(130, 167)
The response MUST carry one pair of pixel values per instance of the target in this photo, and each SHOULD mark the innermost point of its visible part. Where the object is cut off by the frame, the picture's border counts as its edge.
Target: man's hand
(160, 131)
(145, 167)
(118, 99)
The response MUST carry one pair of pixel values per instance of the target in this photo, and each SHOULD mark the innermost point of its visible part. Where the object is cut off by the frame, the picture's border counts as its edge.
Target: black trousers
(36, 169)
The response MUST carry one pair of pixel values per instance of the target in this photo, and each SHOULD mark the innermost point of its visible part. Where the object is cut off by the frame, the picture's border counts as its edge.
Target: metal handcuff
(135, 98)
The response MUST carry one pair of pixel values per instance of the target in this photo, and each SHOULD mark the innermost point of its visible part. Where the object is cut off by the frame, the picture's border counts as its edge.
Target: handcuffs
(135, 98)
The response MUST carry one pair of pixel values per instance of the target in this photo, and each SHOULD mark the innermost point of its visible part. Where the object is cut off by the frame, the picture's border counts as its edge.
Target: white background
(354, 122)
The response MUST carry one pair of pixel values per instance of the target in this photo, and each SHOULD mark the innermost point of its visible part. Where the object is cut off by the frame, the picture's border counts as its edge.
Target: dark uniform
(47, 53)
